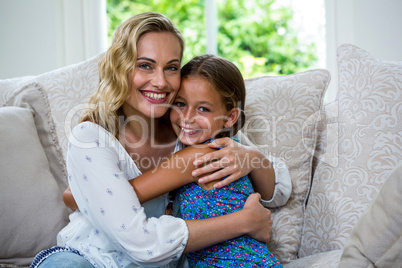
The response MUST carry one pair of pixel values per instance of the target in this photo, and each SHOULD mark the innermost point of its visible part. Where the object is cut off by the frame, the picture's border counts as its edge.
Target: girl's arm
(235, 161)
(174, 172)
(269, 175)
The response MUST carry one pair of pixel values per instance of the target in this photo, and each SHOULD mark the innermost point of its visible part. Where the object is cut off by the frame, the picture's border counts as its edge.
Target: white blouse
(111, 228)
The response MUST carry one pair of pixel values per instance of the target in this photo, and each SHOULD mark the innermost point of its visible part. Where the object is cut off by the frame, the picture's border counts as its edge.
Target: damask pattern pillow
(281, 116)
(68, 90)
(376, 240)
(328, 259)
(369, 147)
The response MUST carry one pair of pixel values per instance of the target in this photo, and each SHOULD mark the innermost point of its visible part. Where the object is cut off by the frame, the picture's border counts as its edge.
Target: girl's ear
(232, 117)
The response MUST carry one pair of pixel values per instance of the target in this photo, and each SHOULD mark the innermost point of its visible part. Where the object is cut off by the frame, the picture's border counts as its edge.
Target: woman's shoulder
(89, 132)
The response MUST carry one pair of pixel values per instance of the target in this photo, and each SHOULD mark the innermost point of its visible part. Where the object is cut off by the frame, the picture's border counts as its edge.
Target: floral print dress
(243, 251)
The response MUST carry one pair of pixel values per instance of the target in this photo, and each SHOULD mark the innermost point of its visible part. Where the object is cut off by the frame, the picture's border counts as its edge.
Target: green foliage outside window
(254, 34)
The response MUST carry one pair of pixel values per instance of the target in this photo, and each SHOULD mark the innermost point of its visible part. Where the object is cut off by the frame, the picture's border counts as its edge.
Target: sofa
(339, 155)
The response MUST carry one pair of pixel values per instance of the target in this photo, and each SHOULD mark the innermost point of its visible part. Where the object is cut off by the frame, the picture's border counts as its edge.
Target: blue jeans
(65, 259)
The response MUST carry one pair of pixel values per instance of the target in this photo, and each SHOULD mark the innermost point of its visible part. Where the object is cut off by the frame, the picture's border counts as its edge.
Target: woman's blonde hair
(116, 66)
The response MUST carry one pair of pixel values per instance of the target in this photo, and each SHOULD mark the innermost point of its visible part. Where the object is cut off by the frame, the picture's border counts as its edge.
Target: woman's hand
(233, 161)
(253, 220)
(261, 222)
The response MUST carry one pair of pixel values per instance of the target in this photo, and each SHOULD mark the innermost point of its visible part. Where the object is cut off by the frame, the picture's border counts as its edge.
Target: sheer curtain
(85, 29)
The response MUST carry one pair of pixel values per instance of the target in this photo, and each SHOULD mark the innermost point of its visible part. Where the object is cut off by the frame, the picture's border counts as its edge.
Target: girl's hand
(233, 160)
(260, 218)
(69, 200)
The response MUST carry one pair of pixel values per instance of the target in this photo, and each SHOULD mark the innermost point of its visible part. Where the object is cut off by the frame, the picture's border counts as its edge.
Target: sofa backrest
(360, 145)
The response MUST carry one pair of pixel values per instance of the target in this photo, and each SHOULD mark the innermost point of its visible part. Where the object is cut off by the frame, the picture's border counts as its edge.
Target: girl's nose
(188, 116)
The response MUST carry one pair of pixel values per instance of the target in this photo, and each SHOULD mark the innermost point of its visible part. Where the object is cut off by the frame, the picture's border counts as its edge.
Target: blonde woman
(124, 133)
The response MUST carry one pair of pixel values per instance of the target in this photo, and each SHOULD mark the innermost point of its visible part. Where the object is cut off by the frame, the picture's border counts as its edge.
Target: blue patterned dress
(243, 251)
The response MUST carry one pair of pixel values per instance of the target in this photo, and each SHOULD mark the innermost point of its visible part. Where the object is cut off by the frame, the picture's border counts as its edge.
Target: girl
(209, 105)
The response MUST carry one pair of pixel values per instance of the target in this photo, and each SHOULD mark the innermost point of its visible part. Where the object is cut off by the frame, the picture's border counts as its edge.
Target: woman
(125, 133)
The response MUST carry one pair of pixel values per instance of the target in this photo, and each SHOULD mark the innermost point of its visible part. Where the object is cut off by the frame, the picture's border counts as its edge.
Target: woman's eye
(203, 109)
(144, 66)
(172, 68)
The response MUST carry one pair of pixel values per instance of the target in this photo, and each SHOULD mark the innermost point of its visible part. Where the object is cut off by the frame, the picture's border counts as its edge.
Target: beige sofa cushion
(369, 146)
(376, 240)
(328, 259)
(281, 116)
(32, 177)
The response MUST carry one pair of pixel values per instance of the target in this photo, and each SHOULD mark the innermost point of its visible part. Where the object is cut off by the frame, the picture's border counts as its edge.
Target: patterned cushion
(320, 260)
(369, 132)
(377, 236)
(68, 90)
(281, 116)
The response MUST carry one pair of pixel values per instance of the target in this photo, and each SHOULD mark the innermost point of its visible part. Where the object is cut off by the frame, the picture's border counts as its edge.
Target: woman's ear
(232, 117)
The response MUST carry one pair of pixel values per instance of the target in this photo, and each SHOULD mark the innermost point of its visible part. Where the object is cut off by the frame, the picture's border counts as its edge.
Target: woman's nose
(159, 80)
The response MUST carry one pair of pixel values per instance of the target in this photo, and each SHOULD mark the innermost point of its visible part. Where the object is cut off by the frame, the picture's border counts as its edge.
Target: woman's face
(198, 112)
(156, 77)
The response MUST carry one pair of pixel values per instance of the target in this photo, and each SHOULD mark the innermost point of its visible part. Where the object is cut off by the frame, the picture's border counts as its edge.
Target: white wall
(373, 25)
(42, 35)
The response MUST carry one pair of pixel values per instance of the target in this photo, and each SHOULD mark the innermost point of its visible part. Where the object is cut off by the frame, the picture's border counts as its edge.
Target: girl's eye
(203, 109)
(179, 104)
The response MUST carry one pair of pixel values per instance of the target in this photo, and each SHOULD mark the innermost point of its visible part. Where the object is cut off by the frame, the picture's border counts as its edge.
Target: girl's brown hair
(226, 78)
(117, 64)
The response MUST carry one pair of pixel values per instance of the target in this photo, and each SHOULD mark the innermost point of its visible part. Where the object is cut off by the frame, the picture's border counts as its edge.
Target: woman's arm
(253, 220)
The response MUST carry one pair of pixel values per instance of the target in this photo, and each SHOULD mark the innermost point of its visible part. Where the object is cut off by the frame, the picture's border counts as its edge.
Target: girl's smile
(198, 112)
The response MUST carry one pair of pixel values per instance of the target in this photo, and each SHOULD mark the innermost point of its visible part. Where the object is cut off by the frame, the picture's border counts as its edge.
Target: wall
(42, 35)
(373, 25)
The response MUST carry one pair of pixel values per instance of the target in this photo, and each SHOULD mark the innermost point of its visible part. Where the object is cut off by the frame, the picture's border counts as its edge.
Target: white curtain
(85, 29)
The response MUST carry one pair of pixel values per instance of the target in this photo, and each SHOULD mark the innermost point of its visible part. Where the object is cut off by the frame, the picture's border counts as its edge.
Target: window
(259, 36)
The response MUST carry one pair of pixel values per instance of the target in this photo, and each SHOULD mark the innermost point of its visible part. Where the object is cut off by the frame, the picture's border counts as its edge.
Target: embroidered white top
(112, 229)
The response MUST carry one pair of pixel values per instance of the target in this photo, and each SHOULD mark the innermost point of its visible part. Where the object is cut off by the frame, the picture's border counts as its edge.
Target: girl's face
(198, 112)
(155, 79)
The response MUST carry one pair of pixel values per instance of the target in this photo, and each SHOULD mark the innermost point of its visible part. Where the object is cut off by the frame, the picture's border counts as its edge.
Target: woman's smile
(154, 96)
(156, 75)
